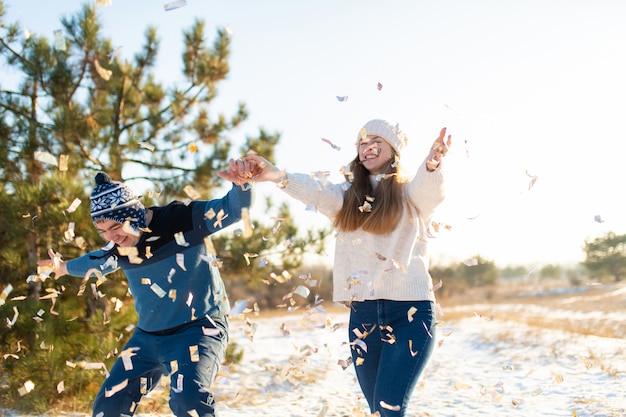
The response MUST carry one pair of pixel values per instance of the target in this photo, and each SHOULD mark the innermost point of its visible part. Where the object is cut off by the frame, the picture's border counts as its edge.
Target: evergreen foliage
(68, 109)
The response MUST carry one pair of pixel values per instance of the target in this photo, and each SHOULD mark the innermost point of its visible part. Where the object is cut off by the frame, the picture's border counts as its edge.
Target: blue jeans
(391, 356)
(186, 353)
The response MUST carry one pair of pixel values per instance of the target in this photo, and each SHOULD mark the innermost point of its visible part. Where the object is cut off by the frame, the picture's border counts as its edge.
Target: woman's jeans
(189, 354)
(391, 344)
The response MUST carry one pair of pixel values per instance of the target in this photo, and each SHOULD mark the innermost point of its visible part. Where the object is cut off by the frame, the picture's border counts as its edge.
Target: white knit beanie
(386, 130)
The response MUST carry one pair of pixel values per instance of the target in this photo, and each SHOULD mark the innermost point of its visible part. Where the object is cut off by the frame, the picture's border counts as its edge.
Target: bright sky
(538, 85)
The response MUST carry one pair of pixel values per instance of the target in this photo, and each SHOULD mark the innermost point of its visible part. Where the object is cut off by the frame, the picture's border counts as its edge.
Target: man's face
(114, 231)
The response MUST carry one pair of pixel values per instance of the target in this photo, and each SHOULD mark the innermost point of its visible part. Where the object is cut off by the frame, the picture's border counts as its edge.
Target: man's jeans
(391, 344)
(189, 354)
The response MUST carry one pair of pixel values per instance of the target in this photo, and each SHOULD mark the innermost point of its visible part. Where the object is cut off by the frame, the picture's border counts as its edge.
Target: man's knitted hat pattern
(386, 130)
(112, 200)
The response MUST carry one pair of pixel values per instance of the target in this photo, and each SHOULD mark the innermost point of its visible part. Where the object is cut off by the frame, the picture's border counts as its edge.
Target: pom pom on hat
(112, 200)
(388, 131)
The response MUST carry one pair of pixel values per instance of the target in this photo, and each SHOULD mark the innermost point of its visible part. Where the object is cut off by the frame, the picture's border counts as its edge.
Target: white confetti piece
(180, 239)
(72, 208)
(59, 40)
(180, 261)
(46, 158)
(389, 407)
(27, 387)
(115, 389)
(174, 5)
(342, 98)
(338, 148)
(158, 290)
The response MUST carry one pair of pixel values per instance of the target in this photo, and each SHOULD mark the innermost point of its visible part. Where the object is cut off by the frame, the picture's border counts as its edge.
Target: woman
(381, 266)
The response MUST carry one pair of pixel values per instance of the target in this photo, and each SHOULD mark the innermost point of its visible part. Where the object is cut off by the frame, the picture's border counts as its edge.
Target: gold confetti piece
(59, 40)
(193, 353)
(127, 251)
(193, 147)
(342, 98)
(104, 73)
(157, 290)
(103, 2)
(174, 5)
(413, 353)
(338, 148)
(557, 379)
(247, 224)
(345, 363)
(46, 158)
(63, 162)
(147, 146)
(220, 216)
(174, 366)
(389, 407)
(191, 192)
(115, 389)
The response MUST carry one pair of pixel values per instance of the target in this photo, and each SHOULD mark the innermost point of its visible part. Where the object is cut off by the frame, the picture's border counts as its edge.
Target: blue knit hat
(112, 200)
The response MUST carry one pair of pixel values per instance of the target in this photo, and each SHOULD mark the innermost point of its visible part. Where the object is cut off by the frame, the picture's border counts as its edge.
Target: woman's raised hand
(438, 150)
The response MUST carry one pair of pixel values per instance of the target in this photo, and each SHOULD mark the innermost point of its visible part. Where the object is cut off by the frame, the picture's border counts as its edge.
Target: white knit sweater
(369, 266)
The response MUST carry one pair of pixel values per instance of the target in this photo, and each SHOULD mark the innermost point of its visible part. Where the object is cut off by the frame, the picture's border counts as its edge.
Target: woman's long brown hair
(387, 204)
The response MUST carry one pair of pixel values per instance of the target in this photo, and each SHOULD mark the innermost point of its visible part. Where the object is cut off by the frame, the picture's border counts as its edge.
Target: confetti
(72, 208)
(59, 40)
(410, 313)
(533, 179)
(389, 407)
(180, 239)
(147, 146)
(193, 353)
(342, 98)
(27, 387)
(174, 5)
(471, 262)
(46, 158)
(115, 389)
(5, 293)
(598, 218)
(220, 216)
(191, 192)
(63, 162)
(247, 224)
(180, 261)
(103, 2)
(379, 86)
(104, 73)
(338, 148)
(158, 290)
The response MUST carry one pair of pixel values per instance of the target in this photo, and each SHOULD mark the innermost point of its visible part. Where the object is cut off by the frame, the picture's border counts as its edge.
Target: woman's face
(114, 231)
(374, 153)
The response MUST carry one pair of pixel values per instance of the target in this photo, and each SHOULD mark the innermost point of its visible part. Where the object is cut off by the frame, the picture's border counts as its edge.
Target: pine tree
(76, 108)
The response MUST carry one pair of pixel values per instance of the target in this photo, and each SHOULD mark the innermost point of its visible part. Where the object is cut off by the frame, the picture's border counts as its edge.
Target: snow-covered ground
(491, 361)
